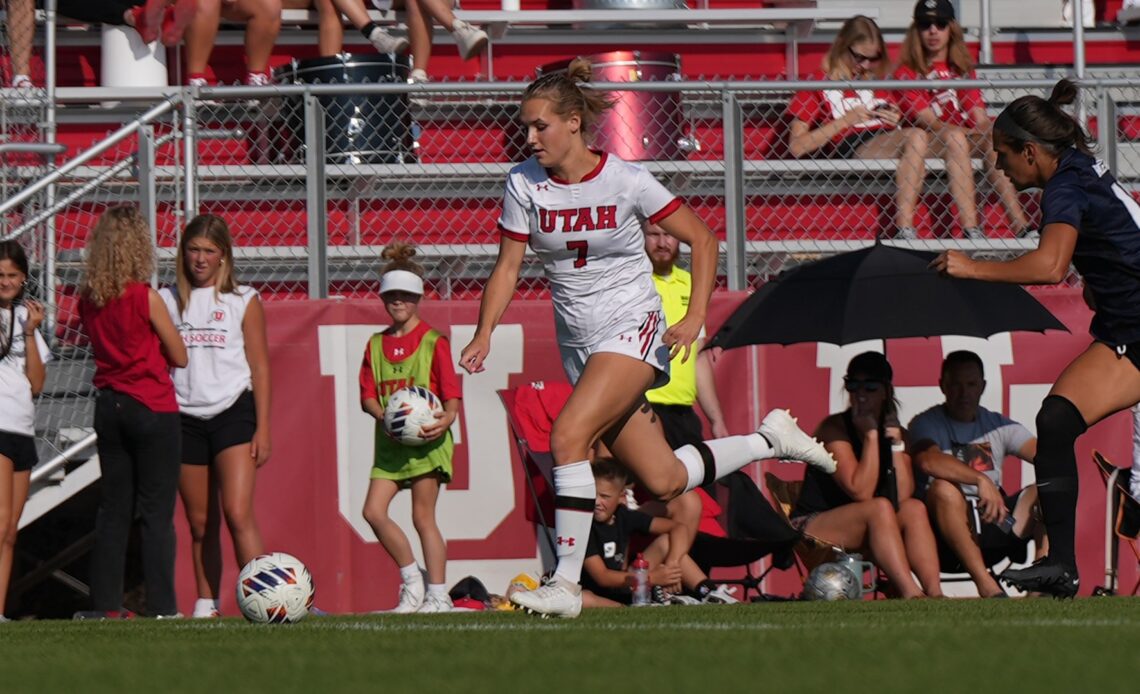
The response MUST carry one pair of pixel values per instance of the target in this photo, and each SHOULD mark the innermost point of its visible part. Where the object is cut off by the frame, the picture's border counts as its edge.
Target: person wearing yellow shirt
(690, 381)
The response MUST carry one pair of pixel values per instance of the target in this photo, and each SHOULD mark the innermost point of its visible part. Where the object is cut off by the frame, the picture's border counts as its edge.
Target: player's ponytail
(569, 93)
(1044, 121)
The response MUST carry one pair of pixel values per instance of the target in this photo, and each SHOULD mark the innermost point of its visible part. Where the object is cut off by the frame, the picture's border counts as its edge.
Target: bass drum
(359, 128)
(641, 125)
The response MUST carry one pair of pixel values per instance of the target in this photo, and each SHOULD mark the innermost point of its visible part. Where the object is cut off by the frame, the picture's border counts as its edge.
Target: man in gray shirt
(960, 447)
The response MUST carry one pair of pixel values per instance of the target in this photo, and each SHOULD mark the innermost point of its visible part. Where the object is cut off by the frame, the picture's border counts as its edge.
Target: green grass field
(1090, 646)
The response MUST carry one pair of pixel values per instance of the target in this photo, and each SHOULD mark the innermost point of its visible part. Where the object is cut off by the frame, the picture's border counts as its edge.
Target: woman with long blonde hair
(860, 123)
(935, 49)
(136, 414)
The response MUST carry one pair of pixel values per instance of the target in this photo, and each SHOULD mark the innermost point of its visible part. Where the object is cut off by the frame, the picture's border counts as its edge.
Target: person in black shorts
(1090, 221)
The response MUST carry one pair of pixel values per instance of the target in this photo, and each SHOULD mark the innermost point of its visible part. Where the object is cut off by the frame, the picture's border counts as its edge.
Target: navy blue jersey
(1083, 194)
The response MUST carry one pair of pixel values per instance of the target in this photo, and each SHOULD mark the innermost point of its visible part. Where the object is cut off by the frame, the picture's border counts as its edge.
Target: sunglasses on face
(852, 385)
(924, 24)
(860, 59)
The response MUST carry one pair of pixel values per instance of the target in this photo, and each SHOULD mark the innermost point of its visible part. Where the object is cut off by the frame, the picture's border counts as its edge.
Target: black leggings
(95, 11)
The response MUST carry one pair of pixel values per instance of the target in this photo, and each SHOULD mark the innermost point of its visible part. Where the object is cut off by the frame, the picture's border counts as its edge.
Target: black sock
(368, 28)
(702, 589)
(1059, 423)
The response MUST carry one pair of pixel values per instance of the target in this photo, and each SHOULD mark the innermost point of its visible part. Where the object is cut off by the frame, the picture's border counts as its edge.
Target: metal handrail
(50, 467)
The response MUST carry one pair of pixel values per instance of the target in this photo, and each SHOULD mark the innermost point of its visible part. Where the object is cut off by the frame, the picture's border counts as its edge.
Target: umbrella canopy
(879, 292)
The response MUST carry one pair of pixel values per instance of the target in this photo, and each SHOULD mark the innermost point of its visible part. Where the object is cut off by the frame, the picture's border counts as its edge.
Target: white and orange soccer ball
(408, 411)
(275, 589)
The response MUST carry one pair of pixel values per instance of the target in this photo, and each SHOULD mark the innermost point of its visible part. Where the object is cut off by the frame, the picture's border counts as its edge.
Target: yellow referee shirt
(675, 289)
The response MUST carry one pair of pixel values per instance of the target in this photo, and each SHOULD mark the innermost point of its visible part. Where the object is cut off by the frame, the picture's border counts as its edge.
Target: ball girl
(135, 344)
(223, 395)
(408, 353)
(23, 354)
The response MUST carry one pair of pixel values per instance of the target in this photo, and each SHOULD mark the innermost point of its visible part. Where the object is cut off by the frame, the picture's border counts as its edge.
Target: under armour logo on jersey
(542, 186)
(578, 218)
(399, 352)
(625, 338)
(568, 541)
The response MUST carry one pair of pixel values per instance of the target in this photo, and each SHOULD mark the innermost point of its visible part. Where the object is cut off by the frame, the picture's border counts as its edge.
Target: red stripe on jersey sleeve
(664, 212)
(513, 235)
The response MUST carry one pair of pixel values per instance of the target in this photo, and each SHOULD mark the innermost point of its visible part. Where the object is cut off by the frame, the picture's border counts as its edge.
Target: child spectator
(23, 354)
(262, 23)
(860, 123)
(136, 414)
(934, 49)
(419, 17)
(223, 395)
(606, 576)
(409, 353)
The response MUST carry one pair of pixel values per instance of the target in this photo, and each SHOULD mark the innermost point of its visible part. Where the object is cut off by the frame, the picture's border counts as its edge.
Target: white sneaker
(973, 233)
(211, 613)
(411, 598)
(683, 600)
(386, 43)
(906, 234)
(789, 442)
(721, 596)
(434, 604)
(471, 39)
(418, 76)
(557, 597)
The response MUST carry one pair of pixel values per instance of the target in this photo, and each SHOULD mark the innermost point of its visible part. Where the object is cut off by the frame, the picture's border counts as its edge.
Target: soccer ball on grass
(275, 589)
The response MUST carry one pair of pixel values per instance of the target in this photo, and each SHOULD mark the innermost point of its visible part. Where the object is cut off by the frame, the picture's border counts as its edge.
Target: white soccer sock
(728, 455)
(411, 574)
(1134, 483)
(439, 590)
(204, 607)
(574, 497)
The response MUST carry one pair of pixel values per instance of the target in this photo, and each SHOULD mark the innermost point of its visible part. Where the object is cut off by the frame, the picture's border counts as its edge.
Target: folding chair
(810, 551)
(1121, 522)
(538, 469)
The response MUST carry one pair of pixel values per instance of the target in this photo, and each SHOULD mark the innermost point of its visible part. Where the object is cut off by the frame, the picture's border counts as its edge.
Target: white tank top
(211, 327)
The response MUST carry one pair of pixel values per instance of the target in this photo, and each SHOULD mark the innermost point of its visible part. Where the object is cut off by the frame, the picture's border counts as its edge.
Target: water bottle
(639, 581)
(1006, 526)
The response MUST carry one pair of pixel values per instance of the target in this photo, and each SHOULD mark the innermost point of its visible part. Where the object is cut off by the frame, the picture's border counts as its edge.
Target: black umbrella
(879, 292)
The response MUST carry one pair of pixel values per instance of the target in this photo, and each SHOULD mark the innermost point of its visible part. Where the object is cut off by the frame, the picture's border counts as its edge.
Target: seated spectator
(262, 22)
(961, 446)
(605, 575)
(21, 26)
(860, 123)
(934, 49)
(330, 26)
(419, 17)
(852, 508)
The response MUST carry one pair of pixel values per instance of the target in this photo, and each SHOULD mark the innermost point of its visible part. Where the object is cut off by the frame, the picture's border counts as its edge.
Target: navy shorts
(995, 544)
(20, 449)
(204, 439)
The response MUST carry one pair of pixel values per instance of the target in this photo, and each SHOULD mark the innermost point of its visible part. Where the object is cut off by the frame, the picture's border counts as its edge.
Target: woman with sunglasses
(860, 123)
(852, 507)
(934, 49)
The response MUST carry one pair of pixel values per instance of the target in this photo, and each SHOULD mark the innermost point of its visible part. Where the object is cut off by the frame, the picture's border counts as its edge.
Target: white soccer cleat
(556, 597)
(411, 598)
(384, 42)
(721, 596)
(435, 605)
(471, 40)
(789, 442)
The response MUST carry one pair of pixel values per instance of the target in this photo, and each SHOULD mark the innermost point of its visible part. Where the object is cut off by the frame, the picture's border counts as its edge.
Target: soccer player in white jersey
(223, 395)
(581, 211)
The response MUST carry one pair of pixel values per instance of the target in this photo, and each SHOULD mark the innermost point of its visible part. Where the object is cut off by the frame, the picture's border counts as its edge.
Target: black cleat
(1045, 576)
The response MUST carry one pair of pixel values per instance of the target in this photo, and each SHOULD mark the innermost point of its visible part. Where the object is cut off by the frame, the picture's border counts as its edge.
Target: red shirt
(444, 381)
(128, 353)
(536, 407)
(950, 105)
(820, 107)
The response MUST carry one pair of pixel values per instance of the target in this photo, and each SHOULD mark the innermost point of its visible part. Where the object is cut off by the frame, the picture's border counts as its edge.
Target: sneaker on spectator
(789, 442)
(411, 598)
(176, 615)
(556, 597)
(721, 596)
(1027, 232)
(175, 20)
(471, 39)
(101, 615)
(148, 19)
(386, 43)
(211, 613)
(4, 620)
(1045, 576)
(418, 76)
(197, 82)
(434, 604)
(22, 82)
(683, 600)
(973, 233)
(906, 234)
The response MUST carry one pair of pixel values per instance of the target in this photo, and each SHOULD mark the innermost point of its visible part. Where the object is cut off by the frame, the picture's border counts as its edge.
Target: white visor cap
(401, 281)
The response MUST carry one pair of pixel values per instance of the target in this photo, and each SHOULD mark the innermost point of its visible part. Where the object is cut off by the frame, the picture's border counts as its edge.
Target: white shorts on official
(644, 343)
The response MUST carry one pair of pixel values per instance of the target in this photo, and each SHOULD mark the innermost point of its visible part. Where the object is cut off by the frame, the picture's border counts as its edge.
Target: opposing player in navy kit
(1089, 220)
(223, 396)
(581, 211)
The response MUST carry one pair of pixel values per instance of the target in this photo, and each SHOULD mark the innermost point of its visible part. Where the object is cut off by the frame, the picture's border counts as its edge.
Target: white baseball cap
(401, 281)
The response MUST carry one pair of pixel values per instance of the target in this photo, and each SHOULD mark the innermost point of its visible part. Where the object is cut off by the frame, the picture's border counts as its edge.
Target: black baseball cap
(934, 9)
(872, 365)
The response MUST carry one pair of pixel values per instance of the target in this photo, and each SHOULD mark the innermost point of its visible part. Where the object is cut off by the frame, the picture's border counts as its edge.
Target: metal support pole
(148, 193)
(1106, 128)
(986, 49)
(316, 194)
(190, 154)
(1078, 38)
(51, 281)
(736, 267)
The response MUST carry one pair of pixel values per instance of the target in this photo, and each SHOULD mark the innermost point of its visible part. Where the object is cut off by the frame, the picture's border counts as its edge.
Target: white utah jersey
(211, 326)
(589, 238)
